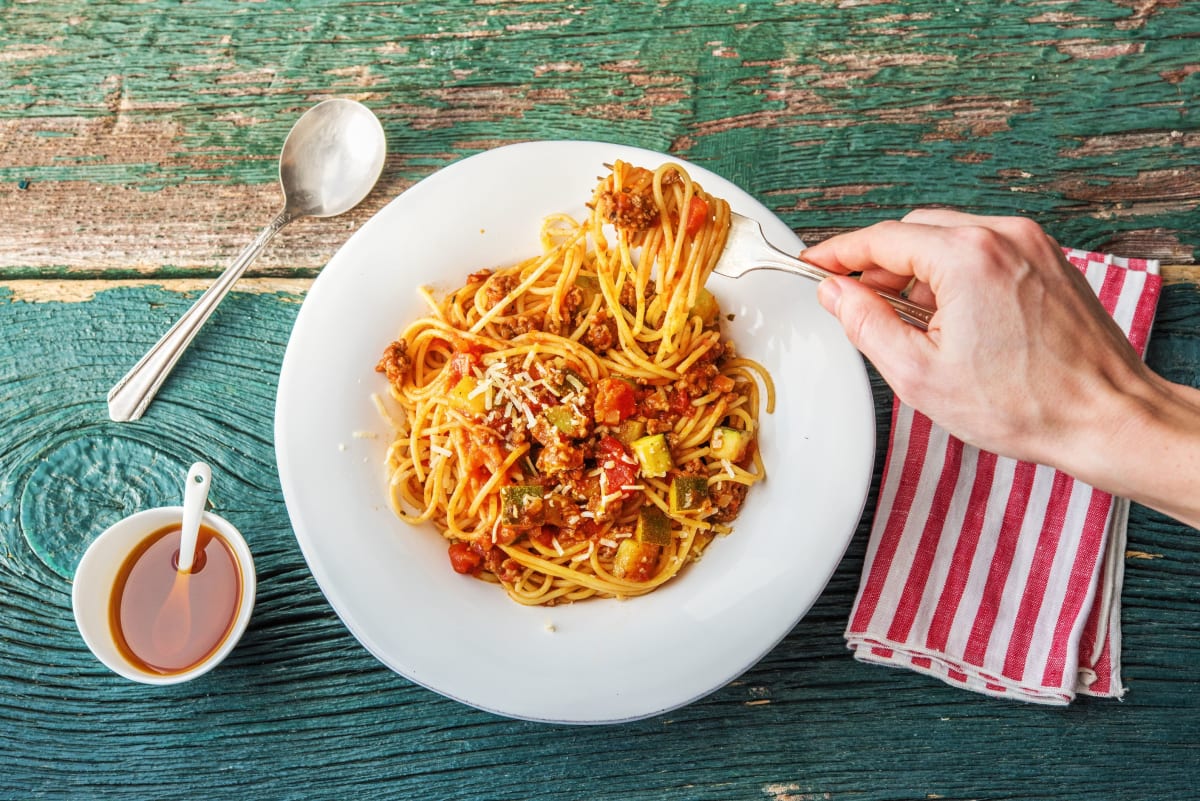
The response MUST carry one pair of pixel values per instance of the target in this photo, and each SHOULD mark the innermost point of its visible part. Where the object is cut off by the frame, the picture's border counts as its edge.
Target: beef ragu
(576, 425)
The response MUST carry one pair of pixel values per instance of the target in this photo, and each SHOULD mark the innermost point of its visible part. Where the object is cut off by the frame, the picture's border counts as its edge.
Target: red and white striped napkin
(1000, 576)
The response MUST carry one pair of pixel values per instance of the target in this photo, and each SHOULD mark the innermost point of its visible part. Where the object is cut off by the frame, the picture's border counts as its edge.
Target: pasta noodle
(576, 425)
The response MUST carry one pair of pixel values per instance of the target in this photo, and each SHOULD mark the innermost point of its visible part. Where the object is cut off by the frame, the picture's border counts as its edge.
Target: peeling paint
(1142, 555)
(26, 52)
(1094, 49)
(792, 792)
(80, 291)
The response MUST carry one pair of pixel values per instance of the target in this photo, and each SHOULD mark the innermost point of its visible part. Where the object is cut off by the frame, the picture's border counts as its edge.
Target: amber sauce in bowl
(147, 578)
(123, 582)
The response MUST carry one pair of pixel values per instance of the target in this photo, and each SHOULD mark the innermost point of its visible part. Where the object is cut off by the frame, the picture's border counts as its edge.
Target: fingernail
(829, 293)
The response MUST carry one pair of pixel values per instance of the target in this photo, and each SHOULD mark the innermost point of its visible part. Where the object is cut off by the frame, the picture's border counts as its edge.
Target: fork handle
(912, 313)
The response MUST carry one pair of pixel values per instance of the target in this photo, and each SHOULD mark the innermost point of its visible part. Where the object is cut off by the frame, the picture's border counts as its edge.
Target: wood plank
(301, 709)
(138, 144)
(165, 161)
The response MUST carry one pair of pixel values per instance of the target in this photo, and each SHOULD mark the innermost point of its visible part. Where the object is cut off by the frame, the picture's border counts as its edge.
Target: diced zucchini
(522, 506)
(565, 381)
(653, 526)
(688, 493)
(630, 430)
(464, 397)
(567, 420)
(653, 455)
(635, 560)
(728, 443)
(706, 307)
(588, 283)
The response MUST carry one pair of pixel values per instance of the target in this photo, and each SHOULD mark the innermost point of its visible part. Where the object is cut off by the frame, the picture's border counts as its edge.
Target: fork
(747, 249)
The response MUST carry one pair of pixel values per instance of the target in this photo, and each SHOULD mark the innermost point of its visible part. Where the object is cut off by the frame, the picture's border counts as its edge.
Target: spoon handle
(195, 495)
(128, 399)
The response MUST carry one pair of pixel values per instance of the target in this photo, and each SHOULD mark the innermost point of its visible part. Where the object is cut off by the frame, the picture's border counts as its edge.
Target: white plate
(597, 661)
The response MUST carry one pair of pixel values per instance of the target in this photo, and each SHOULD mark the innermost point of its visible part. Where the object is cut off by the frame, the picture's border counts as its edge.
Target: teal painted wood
(301, 711)
(837, 114)
(140, 139)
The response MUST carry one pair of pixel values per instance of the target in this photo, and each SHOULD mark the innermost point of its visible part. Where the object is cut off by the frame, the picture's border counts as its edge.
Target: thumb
(872, 326)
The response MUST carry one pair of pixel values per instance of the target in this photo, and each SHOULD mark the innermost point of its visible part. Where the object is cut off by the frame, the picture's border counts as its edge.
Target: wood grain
(300, 710)
(138, 144)
(170, 120)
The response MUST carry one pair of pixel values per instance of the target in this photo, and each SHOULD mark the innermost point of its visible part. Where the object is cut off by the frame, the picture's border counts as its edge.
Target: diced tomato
(461, 364)
(464, 361)
(618, 466)
(680, 402)
(615, 401)
(697, 215)
(464, 559)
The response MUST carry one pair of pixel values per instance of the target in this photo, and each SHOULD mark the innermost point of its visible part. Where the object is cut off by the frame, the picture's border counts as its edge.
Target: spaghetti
(576, 425)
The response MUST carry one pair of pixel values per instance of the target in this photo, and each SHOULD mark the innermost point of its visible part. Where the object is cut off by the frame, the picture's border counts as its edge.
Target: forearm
(1145, 447)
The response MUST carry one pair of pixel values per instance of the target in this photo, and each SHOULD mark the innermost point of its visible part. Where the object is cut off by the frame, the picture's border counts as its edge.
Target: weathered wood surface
(137, 152)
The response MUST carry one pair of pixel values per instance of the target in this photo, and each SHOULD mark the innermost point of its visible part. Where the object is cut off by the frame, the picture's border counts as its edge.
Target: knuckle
(887, 227)
(980, 238)
(988, 250)
(1025, 230)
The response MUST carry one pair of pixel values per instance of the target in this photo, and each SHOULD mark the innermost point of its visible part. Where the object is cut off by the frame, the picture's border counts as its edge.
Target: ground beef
(630, 209)
(658, 425)
(572, 301)
(633, 208)
(558, 456)
(395, 362)
(728, 497)
(521, 324)
(497, 288)
(601, 334)
(628, 297)
(698, 380)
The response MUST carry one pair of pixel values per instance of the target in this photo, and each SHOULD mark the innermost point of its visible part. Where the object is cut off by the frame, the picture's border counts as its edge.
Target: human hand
(1020, 357)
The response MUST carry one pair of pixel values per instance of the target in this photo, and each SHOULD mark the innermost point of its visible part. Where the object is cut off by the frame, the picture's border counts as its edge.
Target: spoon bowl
(330, 161)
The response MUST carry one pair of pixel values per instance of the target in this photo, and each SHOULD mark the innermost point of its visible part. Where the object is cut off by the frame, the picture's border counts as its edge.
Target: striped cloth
(1000, 576)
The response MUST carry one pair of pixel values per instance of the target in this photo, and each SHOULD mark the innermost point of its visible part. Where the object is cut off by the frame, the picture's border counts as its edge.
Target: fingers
(1025, 234)
(926, 244)
(947, 217)
(901, 248)
(897, 349)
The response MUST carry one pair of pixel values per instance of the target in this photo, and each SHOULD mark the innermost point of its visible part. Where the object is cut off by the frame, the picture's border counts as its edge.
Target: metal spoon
(330, 161)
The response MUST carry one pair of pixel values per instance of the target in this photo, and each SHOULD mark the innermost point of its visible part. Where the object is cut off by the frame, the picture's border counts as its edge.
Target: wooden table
(138, 157)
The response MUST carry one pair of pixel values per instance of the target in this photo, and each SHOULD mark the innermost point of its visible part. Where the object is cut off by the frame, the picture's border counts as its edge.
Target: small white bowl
(92, 590)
